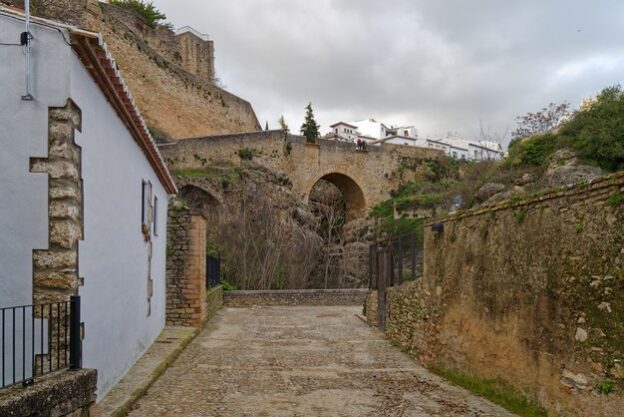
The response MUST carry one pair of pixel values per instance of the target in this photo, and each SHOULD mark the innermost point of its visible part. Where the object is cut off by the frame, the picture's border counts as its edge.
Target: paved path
(301, 361)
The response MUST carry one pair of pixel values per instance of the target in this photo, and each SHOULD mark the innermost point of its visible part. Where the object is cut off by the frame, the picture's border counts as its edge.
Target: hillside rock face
(565, 169)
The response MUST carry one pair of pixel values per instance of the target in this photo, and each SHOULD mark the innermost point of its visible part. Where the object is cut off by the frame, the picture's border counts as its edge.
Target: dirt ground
(301, 361)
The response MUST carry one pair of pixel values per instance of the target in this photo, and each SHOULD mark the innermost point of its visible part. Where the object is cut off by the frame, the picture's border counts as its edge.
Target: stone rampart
(347, 296)
(171, 99)
(530, 292)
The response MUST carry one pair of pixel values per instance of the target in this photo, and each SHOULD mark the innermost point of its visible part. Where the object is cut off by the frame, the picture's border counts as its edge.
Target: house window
(454, 154)
(143, 202)
(146, 208)
(476, 154)
(155, 216)
(406, 133)
(336, 130)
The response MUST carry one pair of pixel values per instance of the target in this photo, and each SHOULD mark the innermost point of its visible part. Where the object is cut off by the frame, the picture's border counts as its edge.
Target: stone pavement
(300, 361)
(145, 371)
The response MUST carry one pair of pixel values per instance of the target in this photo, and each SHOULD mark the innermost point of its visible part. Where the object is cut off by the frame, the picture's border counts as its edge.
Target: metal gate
(406, 257)
(391, 263)
(213, 271)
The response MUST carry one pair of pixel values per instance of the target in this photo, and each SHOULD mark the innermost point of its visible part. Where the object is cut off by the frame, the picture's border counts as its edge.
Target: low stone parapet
(214, 301)
(63, 393)
(347, 296)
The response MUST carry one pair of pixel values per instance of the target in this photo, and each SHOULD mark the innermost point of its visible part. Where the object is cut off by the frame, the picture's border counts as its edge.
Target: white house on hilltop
(375, 133)
(467, 150)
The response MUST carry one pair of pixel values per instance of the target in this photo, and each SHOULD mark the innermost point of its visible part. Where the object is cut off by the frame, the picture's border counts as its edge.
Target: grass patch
(246, 154)
(615, 200)
(520, 215)
(495, 391)
(606, 387)
(193, 173)
(227, 286)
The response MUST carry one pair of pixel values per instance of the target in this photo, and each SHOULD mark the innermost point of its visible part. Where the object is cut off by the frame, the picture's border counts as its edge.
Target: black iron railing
(406, 258)
(39, 339)
(213, 271)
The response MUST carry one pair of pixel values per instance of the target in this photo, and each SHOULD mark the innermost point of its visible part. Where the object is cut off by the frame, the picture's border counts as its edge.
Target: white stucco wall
(23, 134)
(113, 257)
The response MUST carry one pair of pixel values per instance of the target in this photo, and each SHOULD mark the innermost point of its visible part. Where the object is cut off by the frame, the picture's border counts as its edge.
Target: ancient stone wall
(366, 178)
(350, 296)
(186, 266)
(61, 394)
(530, 292)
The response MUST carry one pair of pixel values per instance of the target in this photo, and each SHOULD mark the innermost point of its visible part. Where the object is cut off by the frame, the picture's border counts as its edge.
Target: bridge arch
(353, 194)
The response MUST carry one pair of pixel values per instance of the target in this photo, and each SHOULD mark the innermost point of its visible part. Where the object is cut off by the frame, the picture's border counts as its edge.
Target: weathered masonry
(531, 292)
(364, 177)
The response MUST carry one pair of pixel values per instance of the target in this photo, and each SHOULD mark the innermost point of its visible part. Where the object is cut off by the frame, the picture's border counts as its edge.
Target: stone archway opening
(355, 203)
(201, 201)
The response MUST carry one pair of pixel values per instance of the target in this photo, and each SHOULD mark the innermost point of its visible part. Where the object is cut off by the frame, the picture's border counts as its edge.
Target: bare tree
(329, 207)
(549, 118)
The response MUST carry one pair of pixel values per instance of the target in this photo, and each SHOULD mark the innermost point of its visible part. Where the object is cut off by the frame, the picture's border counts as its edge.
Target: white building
(373, 132)
(378, 130)
(467, 150)
(344, 131)
(84, 191)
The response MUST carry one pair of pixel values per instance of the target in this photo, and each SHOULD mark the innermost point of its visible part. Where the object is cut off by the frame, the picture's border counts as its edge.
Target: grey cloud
(441, 65)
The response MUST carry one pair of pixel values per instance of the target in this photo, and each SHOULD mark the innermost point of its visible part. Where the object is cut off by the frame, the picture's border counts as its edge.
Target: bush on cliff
(146, 9)
(596, 133)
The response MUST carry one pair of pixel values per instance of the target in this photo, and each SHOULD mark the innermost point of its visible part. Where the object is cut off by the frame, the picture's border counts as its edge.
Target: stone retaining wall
(530, 292)
(347, 296)
(61, 394)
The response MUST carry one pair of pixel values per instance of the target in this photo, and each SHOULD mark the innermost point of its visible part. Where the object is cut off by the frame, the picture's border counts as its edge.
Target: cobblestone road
(301, 361)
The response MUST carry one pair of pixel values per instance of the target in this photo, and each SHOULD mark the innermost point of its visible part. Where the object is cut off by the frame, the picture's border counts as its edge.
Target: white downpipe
(27, 96)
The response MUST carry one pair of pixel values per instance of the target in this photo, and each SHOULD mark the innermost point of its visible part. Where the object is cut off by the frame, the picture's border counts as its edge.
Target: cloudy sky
(442, 65)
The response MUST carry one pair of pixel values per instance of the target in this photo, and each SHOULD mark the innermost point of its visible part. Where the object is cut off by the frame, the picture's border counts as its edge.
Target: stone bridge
(365, 178)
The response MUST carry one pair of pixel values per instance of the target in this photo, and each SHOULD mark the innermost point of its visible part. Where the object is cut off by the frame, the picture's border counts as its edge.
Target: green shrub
(146, 9)
(535, 150)
(520, 215)
(615, 200)
(596, 133)
(246, 154)
(606, 387)
(227, 286)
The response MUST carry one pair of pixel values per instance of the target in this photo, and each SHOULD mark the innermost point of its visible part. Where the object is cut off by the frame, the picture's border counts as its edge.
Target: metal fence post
(383, 265)
(75, 342)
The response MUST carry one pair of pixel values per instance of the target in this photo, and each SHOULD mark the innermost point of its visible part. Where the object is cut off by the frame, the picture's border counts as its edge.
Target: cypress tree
(309, 128)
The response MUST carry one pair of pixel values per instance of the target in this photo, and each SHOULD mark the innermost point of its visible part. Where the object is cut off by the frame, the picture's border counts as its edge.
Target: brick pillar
(186, 266)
